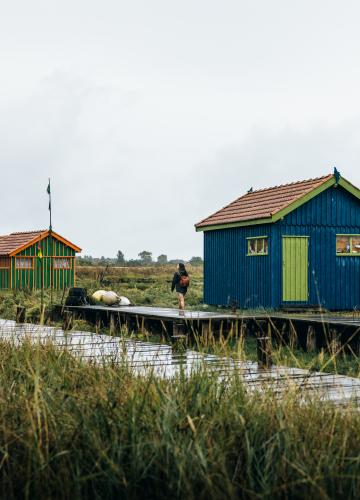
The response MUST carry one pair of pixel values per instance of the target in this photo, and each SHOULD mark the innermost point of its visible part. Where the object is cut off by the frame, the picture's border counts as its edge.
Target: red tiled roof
(16, 241)
(263, 203)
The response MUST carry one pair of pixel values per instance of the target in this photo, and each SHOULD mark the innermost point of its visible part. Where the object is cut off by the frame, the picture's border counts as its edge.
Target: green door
(295, 268)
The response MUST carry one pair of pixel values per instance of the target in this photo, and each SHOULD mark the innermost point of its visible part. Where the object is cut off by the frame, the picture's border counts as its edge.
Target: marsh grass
(143, 285)
(75, 430)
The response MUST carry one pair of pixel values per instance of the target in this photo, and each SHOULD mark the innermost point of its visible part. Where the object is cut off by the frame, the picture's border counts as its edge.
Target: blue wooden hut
(295, 244)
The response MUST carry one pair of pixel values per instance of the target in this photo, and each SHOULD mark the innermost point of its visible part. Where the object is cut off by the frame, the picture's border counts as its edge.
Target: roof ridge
(262, 190)
(28, 232)
(294, 183)
(266, 202)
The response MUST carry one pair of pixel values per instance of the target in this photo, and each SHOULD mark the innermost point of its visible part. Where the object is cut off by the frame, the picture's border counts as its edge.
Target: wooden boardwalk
(163, 361)
(308, 330)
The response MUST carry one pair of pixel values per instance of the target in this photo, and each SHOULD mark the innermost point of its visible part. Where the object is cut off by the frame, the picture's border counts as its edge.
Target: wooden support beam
(283, 332)
(98, 322)
(68, 318)
(334, 341)
(178, 329)
(205, 332)
(293, 337)
(113, 323)
(20, 314)
(240, 337)
(311, 339)
(263, 341)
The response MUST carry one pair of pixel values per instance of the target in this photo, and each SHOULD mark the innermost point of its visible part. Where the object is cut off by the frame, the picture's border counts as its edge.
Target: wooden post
(311, 339)
(283, 333)
(293, 338)
(263, 341)
(178, 329)
(67, 320)
(335, 342)
(357, 344)
(112, 324)
(20, 314)
(205, 332)
(97, 322)
(240, 336)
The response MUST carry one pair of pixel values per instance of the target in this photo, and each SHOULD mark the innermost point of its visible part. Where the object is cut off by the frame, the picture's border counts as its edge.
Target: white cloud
(148, 116)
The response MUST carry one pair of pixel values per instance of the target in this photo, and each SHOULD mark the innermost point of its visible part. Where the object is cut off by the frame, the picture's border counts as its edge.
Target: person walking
(180, 283)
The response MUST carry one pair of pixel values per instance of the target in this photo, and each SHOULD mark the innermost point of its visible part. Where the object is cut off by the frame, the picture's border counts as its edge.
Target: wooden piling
(112, 324)
(98, 322)
(311, 339)
(334, 341)
(293, 338)
(20, 314)
(178, 329)
(68, 318)
(263, 341)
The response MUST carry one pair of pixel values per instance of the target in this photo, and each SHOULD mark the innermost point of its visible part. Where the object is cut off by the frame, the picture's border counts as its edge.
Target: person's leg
(181, 301)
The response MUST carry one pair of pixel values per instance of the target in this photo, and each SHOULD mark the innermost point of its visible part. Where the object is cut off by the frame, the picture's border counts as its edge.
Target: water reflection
(166, 362)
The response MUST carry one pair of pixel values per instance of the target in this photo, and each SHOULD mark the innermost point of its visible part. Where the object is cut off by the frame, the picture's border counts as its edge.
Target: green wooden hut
(36, 259)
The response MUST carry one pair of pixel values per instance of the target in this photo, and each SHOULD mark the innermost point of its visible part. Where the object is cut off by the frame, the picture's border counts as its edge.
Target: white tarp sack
(98, 295)
(110, 298)
(124, 301)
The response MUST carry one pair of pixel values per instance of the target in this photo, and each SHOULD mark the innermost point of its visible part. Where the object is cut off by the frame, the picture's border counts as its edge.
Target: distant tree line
(145, 259)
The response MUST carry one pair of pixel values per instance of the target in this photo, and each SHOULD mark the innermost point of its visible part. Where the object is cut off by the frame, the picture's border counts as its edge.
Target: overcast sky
(150, 115)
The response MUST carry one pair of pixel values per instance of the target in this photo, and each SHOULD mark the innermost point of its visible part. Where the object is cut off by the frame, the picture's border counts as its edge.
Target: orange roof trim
(14, 243)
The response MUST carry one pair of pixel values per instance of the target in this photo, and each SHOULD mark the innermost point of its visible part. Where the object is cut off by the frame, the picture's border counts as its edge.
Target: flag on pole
(39, 251)
(48, 190)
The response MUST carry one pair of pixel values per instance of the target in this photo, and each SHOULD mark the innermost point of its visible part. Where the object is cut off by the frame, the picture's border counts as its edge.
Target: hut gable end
(269, 205)
(36, 259)
(309, 248)
(335, 207)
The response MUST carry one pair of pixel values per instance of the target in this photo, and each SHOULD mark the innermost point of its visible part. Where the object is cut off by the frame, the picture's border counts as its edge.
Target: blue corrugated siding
(334, 281)
(257, 281)
(230, 275)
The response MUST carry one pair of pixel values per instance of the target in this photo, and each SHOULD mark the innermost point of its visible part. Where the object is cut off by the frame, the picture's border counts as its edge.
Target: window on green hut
(24, 263)
(62, 263)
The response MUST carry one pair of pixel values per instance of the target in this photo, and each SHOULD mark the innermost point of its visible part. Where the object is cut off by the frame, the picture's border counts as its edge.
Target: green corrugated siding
(31, 278)
(295, 269)
(4, 278)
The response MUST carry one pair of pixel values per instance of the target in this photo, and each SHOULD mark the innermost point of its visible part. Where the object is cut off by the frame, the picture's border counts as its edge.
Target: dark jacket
(176, 282)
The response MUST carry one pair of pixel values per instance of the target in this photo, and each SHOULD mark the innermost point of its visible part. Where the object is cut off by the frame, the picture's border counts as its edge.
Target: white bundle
(110, 298)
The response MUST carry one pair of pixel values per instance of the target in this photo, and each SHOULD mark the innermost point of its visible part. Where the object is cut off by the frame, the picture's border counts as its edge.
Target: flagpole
(51, 246)
(49, 191)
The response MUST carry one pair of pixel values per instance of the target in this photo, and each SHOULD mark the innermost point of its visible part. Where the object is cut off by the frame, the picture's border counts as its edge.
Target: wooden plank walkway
(309, 331)
(165, 313)
(165, 362)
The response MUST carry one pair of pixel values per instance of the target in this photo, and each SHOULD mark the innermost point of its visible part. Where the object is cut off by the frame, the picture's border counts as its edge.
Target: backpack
(184, 281)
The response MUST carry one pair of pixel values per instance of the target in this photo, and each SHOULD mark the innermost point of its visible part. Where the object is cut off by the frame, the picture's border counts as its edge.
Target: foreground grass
(283, 355)
(72, 430)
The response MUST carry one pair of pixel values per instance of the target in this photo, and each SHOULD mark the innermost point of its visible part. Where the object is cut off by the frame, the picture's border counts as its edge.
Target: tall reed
(74, 430)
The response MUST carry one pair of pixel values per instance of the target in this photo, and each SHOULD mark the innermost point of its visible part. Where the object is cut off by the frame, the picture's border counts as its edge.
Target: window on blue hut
(355, 244)
(347, 244)
(258, 246)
